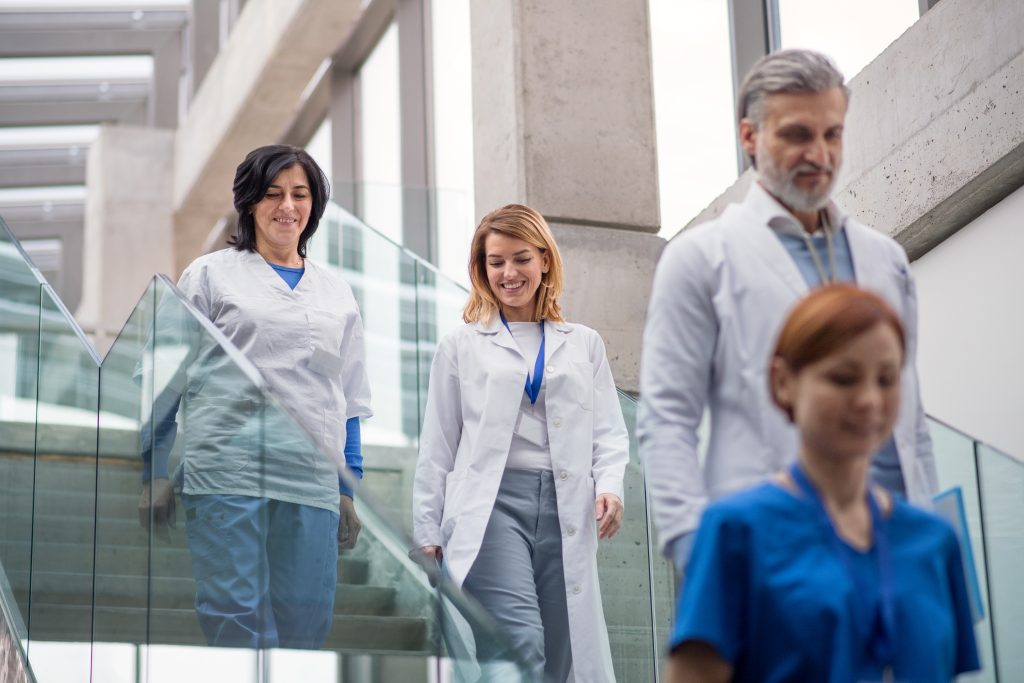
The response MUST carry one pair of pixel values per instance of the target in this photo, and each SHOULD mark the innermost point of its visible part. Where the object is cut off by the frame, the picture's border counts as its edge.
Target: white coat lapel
(495, 330)
(763, 241)
(867, 264)
(554, 338)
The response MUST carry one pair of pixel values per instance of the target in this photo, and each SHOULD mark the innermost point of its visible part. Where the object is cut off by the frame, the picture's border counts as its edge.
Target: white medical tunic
(307, 343)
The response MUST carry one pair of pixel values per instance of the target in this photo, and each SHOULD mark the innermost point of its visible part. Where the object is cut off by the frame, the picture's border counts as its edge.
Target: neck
(516, 315)
(842, 483)
(811, 220)
(280, 256)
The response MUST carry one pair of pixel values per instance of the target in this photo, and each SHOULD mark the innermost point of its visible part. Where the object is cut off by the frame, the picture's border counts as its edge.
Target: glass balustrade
(100, 580)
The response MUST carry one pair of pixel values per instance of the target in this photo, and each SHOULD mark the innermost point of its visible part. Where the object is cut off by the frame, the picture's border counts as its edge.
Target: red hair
(826, 320)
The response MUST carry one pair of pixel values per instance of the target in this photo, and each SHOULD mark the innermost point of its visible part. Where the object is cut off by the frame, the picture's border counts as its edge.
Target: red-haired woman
(817, 576)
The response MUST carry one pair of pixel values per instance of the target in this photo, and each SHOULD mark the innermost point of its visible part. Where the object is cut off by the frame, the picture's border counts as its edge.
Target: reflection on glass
(1002, 481)
(65, 485)
(694, 106)
(19, 362)
(851, 32)
(955, 464)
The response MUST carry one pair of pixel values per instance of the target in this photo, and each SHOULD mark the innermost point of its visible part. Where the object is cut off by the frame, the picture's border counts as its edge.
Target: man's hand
(609, 514)
(349, 524)
(429, 557)
(158, 496)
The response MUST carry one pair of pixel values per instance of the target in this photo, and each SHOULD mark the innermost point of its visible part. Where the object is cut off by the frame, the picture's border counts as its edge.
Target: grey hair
(786, 71)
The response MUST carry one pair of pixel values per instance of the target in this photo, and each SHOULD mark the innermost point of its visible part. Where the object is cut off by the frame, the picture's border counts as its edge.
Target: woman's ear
(545, 262)
(781, 380)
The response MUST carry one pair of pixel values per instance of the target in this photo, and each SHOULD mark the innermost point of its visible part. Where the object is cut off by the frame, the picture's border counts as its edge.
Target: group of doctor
(524, 448)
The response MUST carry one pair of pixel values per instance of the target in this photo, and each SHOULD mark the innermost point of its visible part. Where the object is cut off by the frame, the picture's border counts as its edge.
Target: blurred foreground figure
(818, 575)
(722, 290)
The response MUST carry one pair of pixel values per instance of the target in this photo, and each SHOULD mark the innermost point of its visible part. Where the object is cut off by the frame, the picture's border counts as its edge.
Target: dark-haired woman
(817, 575)
(266, 511)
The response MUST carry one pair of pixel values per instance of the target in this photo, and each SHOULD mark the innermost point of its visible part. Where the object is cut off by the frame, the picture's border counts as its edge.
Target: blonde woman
(523, 453)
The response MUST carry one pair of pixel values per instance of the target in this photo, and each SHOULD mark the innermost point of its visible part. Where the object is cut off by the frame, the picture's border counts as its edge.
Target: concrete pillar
(563, 119)
(128, 225)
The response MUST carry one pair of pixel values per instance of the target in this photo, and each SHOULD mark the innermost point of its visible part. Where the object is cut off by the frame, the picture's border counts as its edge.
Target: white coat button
(563, 475)
(557, 422)
(551, 368)
(571, 530)
(576, 590)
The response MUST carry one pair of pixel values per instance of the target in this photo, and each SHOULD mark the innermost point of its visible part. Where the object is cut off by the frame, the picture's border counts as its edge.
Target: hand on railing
(349, 524)
(429, 557)
(158, 496)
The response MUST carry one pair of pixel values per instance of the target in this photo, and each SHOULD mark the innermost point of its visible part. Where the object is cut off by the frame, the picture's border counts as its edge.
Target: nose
(287, 202)
(870, 396)
(817, 152)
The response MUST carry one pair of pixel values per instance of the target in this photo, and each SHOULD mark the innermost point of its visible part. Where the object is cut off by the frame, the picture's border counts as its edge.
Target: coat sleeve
(611, 440)
(923, 452)
(354, 380)
(675, 374)
(439, 442)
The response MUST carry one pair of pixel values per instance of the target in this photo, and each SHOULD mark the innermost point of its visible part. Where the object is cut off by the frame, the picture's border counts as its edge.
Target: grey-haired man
(722, 290)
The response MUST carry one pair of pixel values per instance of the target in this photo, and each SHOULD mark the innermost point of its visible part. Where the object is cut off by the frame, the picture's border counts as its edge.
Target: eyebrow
(518, 253)
(280, 187)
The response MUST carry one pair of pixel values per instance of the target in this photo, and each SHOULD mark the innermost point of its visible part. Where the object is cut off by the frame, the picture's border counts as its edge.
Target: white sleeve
(354, 380)
(439, 442)
(611, 440)
(675, 375)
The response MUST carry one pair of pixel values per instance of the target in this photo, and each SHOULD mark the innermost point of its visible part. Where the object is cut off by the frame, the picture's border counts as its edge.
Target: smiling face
(845, 404)
(514, 273)
(798, 146)
(282, 214)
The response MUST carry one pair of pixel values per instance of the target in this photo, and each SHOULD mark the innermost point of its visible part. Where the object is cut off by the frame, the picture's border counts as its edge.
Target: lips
(513, 286)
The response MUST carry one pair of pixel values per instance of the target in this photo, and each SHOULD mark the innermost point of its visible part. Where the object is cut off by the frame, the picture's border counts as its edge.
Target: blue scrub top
(765, 588)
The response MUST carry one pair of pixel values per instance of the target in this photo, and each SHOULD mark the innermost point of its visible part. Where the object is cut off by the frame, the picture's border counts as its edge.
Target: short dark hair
(255, 174)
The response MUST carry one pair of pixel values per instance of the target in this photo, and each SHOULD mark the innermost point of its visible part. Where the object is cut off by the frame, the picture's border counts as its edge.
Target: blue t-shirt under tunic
(765, 588)
(353, 451)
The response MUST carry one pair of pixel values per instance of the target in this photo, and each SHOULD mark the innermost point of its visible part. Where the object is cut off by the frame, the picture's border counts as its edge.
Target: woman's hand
(609, 514)
(157, 499)
(349, 524)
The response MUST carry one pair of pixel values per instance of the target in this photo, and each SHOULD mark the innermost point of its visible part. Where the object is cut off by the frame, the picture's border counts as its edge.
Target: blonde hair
(522, 223)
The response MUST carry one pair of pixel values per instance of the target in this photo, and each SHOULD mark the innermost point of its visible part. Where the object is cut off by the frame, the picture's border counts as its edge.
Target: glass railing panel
(14, 666)
(1002, 496)
(19, 362)
(65, 494)
(956, 465)
(121, 588)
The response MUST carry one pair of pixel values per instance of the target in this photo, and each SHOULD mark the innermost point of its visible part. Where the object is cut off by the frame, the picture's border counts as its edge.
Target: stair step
(168, 561)
(350, 633)
(173, 593)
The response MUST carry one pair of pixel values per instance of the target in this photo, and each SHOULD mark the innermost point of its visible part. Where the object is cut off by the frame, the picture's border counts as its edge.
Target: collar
(493, 326)
(779, 219)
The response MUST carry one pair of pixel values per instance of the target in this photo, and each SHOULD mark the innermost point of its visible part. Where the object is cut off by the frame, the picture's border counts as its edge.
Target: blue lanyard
(880, 640)
(532, 385)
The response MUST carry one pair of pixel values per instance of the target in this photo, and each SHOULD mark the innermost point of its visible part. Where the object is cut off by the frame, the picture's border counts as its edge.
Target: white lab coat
(721, 293)
(476, 385)
(237, 443)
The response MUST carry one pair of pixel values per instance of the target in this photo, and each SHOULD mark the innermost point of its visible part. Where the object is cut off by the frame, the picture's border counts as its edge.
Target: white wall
(971, 323)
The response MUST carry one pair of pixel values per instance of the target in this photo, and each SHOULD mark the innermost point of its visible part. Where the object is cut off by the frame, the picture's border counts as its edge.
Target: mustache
(811, 167)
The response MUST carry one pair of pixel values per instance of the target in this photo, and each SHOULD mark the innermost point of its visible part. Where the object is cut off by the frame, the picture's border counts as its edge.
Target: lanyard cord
(826, 278)
(532, 383)
(882, 633)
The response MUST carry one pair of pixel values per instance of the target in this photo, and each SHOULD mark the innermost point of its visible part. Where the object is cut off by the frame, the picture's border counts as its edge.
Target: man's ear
(748, 137)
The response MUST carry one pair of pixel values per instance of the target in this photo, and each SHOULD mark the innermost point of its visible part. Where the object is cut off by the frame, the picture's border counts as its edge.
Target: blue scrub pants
(518, 577)
(265, 570)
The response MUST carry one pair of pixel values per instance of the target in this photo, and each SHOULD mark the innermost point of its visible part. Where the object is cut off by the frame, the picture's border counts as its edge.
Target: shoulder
(750, 509)
(912, 522)
(330, 277)
(876, 238)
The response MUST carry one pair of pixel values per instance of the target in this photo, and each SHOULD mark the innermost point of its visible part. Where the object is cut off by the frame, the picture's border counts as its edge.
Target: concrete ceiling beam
(251, 96)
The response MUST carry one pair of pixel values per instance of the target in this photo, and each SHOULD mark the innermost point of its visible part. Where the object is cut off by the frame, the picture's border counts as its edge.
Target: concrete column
(345, 156)
(128, 225)
(563, 119)
(204, 40)
(419, 232)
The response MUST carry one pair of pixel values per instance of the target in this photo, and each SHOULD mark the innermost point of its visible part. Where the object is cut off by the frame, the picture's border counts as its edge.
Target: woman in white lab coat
(522, 454)
(266, 507)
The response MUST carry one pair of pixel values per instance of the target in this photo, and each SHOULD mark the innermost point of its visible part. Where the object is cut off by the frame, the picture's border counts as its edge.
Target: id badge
(324, 363)
(531, 428)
